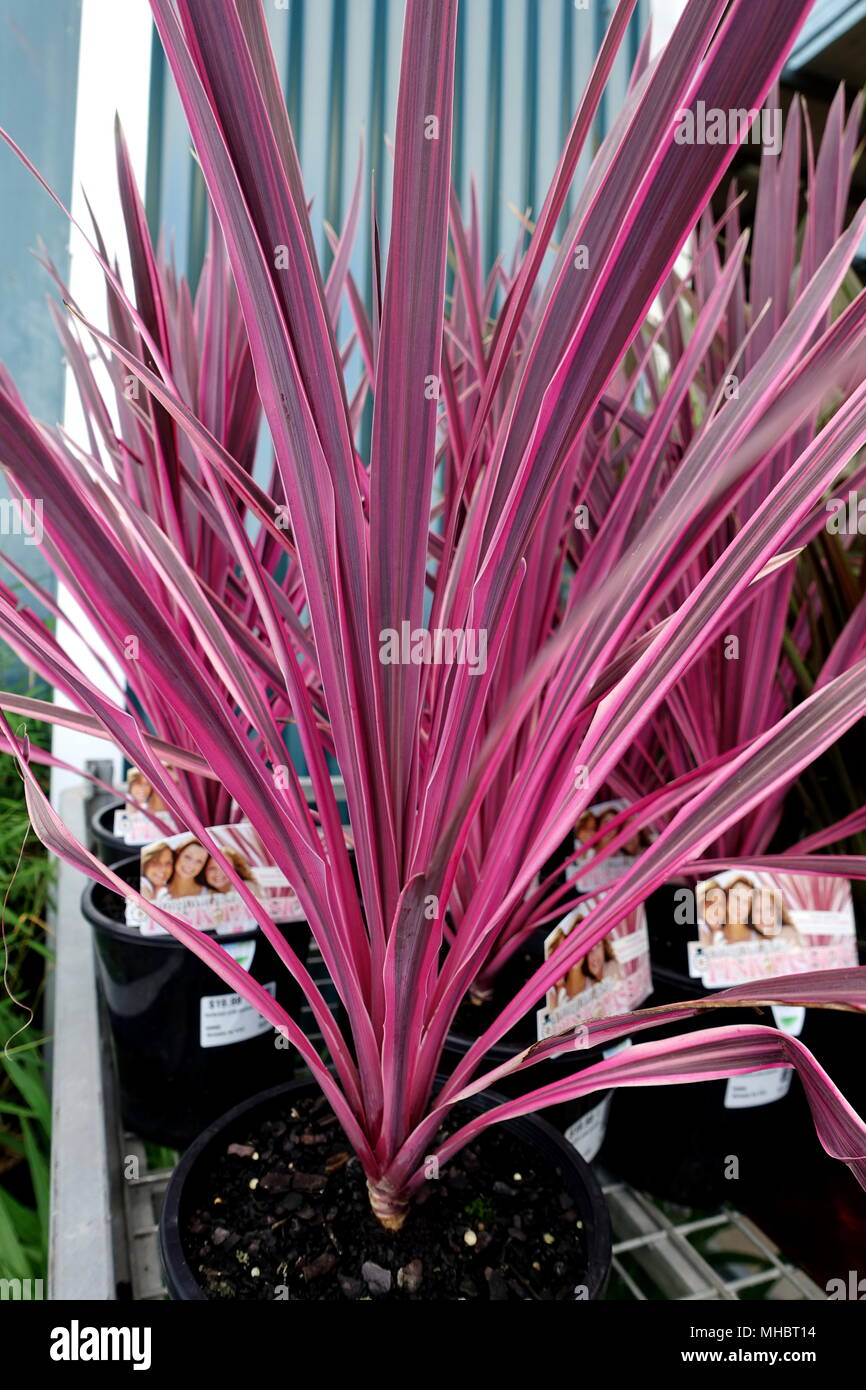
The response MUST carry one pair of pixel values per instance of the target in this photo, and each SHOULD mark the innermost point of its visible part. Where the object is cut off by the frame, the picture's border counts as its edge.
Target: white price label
(757, 1088)
(228, 1018)
(587, 1134)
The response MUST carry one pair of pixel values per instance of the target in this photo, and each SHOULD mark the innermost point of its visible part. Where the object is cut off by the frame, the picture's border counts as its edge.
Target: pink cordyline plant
(743, 685)
(200, 344)
(714, 325)
(420, 747)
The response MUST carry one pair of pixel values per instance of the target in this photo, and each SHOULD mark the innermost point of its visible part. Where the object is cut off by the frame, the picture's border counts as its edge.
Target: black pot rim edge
(100, 829)
(179, 1275)
(502, 1052)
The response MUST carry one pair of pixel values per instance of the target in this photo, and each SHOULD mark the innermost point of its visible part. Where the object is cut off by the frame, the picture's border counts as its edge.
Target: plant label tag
(132, 823)
(595, 868)
(587, 1134)
(242, 951)
(757, 1088)
(206, 887)
(228, 1018)
(789, 1018)
(753, 925)
(612, 977)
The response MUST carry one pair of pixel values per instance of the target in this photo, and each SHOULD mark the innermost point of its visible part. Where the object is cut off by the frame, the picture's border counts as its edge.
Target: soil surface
(281, 1212)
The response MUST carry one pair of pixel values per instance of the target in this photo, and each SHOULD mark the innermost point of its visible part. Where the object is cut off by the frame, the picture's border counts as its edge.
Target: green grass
(26, 878)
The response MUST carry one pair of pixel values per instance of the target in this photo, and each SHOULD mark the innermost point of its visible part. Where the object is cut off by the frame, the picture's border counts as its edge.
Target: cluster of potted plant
(498, 625)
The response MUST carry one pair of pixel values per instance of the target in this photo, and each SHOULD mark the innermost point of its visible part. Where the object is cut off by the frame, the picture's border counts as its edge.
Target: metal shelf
(661, 1252)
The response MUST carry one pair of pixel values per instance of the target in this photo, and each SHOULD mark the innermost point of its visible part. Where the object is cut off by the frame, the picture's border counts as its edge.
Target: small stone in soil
(242, 1150)
(352, 1288)
(377, 1279)
(322, 1264)
(309, 1182)
(289, 1203)
(497, 1286)
(276, 1182)
(410, 1276)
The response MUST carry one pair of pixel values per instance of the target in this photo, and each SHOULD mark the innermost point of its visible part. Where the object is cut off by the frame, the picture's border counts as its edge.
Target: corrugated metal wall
(38, 81)
(521, 66)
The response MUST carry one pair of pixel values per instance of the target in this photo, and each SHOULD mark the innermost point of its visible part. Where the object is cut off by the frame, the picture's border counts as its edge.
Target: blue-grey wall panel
(38, 73)
(521, 66)
(38, 80)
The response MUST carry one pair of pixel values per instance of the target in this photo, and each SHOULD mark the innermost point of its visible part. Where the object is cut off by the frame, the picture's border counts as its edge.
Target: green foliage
(480, 1210)
(25, 1111)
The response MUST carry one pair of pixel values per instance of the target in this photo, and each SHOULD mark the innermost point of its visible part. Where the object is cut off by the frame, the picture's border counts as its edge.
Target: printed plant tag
(789, 1018)
(228, 1018)
(591, 872)
(757, 1088)
(180, 875)
(132, 823)
(613, 976)
(753, 925)
(587, 1134)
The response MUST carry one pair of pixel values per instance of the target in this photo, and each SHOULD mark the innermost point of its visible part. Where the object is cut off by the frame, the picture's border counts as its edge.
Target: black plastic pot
(110, 848)
(171, 1086)
(582, 1121)
(701, 1151)
(576, 1175)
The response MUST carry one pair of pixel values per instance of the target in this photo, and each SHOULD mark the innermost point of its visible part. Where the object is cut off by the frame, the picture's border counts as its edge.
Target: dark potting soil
(282, 1212)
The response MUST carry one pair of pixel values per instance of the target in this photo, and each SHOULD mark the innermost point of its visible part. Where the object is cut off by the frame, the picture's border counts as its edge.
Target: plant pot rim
(502, 1051)
(100, 828)
(533, 1129)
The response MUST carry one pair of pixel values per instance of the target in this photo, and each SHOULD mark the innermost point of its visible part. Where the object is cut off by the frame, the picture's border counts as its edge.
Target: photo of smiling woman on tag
(157, 867)
(217, 880)
(189, 861)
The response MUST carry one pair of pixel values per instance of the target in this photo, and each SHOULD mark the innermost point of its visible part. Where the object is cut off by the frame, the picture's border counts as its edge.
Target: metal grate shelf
(656, 1256)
